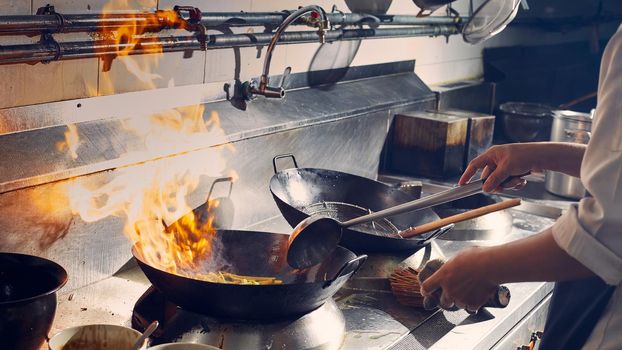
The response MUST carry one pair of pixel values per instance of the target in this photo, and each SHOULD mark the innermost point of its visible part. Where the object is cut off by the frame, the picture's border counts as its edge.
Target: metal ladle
(141, 340)
(315, 237)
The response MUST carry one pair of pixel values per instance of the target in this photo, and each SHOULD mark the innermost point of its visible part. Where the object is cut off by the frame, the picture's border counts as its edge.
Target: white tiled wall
(171, 69)
(25, 84)
(437, 60)
(14, 7)
(211, 5)
(96, 6)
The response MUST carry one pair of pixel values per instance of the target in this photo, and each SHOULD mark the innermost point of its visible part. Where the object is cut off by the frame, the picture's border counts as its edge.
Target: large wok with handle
(252, 253)
(302, 192)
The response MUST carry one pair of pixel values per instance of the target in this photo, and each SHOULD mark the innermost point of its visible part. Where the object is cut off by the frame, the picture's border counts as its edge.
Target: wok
(302, 192)
(253, 253)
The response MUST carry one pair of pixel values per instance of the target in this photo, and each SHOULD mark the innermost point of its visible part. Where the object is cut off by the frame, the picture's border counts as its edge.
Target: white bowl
(94, 337)
(183, 346)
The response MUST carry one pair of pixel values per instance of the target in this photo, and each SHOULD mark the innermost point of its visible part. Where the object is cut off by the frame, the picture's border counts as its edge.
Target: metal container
(568, 126)
(526, 122)
(95, 336)
(28, 286)
(429, 6)
(374, 7)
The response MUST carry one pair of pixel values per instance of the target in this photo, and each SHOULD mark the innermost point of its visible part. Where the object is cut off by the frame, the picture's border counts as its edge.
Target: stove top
(321, 329)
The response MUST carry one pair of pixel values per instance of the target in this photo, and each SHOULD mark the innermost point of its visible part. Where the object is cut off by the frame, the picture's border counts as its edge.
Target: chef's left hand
(465, 281)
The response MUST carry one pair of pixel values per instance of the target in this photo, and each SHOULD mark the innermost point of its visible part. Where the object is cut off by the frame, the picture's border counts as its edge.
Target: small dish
(94, 337)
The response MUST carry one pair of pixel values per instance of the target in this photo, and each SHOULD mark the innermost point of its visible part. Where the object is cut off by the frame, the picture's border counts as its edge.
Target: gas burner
(323, 328)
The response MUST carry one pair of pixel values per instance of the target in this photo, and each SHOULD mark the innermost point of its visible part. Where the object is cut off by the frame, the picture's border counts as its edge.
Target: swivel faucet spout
(318, 17)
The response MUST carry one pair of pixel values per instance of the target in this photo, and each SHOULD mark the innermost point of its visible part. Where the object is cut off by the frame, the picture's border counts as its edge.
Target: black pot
(28, 286)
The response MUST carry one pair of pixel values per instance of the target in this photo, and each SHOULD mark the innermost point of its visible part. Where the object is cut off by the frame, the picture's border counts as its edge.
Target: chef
(582, 251)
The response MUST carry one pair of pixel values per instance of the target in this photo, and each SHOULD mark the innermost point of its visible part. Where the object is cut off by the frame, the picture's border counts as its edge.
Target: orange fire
(149, 194)
(129, 37)
(134, 37)
(155, 192)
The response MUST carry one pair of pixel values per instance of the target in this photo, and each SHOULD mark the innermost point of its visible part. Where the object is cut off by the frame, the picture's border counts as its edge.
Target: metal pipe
(275, 18)
(153, 22)
(33, 53)
(245, 40)
(263, 88)
(148, 22)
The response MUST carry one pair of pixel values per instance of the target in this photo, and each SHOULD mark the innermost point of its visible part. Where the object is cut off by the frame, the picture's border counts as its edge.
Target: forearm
(562, 157)
(535, 258)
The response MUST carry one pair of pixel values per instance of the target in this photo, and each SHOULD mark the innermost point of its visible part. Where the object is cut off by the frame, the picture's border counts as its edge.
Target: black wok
(28, 286)
(302, 192)
(253, 253)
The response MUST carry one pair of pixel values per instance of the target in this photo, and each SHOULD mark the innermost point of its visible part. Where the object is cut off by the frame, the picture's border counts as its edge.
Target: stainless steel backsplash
(342, 127)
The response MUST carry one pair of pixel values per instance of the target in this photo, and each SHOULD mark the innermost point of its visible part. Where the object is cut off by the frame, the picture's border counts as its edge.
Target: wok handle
(438, 233)
(283, 156)
(346, 268)
(467, 215)
(222, 179)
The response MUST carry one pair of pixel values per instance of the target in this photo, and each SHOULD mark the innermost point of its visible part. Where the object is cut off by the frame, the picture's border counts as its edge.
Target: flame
(129, 37)
(71, 142)
(154, 193)
(134, 36)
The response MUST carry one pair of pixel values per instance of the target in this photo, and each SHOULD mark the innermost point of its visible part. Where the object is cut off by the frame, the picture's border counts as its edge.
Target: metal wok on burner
(253, 253)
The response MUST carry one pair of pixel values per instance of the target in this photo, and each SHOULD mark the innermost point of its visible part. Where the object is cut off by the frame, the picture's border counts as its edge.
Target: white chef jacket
(591, 231)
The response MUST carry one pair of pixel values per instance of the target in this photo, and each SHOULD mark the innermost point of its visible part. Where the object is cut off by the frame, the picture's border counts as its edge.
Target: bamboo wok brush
(406, 286)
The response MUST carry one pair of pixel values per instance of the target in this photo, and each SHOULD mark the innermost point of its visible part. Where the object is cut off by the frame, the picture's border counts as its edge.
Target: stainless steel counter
(374, 320)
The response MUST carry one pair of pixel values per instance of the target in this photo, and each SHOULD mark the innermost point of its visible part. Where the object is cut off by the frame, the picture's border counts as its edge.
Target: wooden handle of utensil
(467, 215)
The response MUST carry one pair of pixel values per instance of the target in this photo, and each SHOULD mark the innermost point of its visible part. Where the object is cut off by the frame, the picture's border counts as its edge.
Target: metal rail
(157, 21)
(336, 18)
(52, 50)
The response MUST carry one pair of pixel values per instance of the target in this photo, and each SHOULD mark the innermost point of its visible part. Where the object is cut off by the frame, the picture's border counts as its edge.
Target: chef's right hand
(501, 162)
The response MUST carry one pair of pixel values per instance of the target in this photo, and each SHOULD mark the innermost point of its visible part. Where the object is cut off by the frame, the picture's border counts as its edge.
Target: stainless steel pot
(374, 7)
(568, 126)
(429, 6)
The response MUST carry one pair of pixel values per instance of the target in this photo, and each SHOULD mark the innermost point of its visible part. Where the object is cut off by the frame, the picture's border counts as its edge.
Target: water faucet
(253, 88)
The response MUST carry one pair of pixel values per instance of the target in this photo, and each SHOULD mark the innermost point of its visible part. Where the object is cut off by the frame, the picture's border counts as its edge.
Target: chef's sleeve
(591, 231)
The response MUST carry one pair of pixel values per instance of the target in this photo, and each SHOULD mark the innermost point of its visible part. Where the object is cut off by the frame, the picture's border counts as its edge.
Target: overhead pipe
(336, 18)
(56, 23)
(157, 21)
(52, 50)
